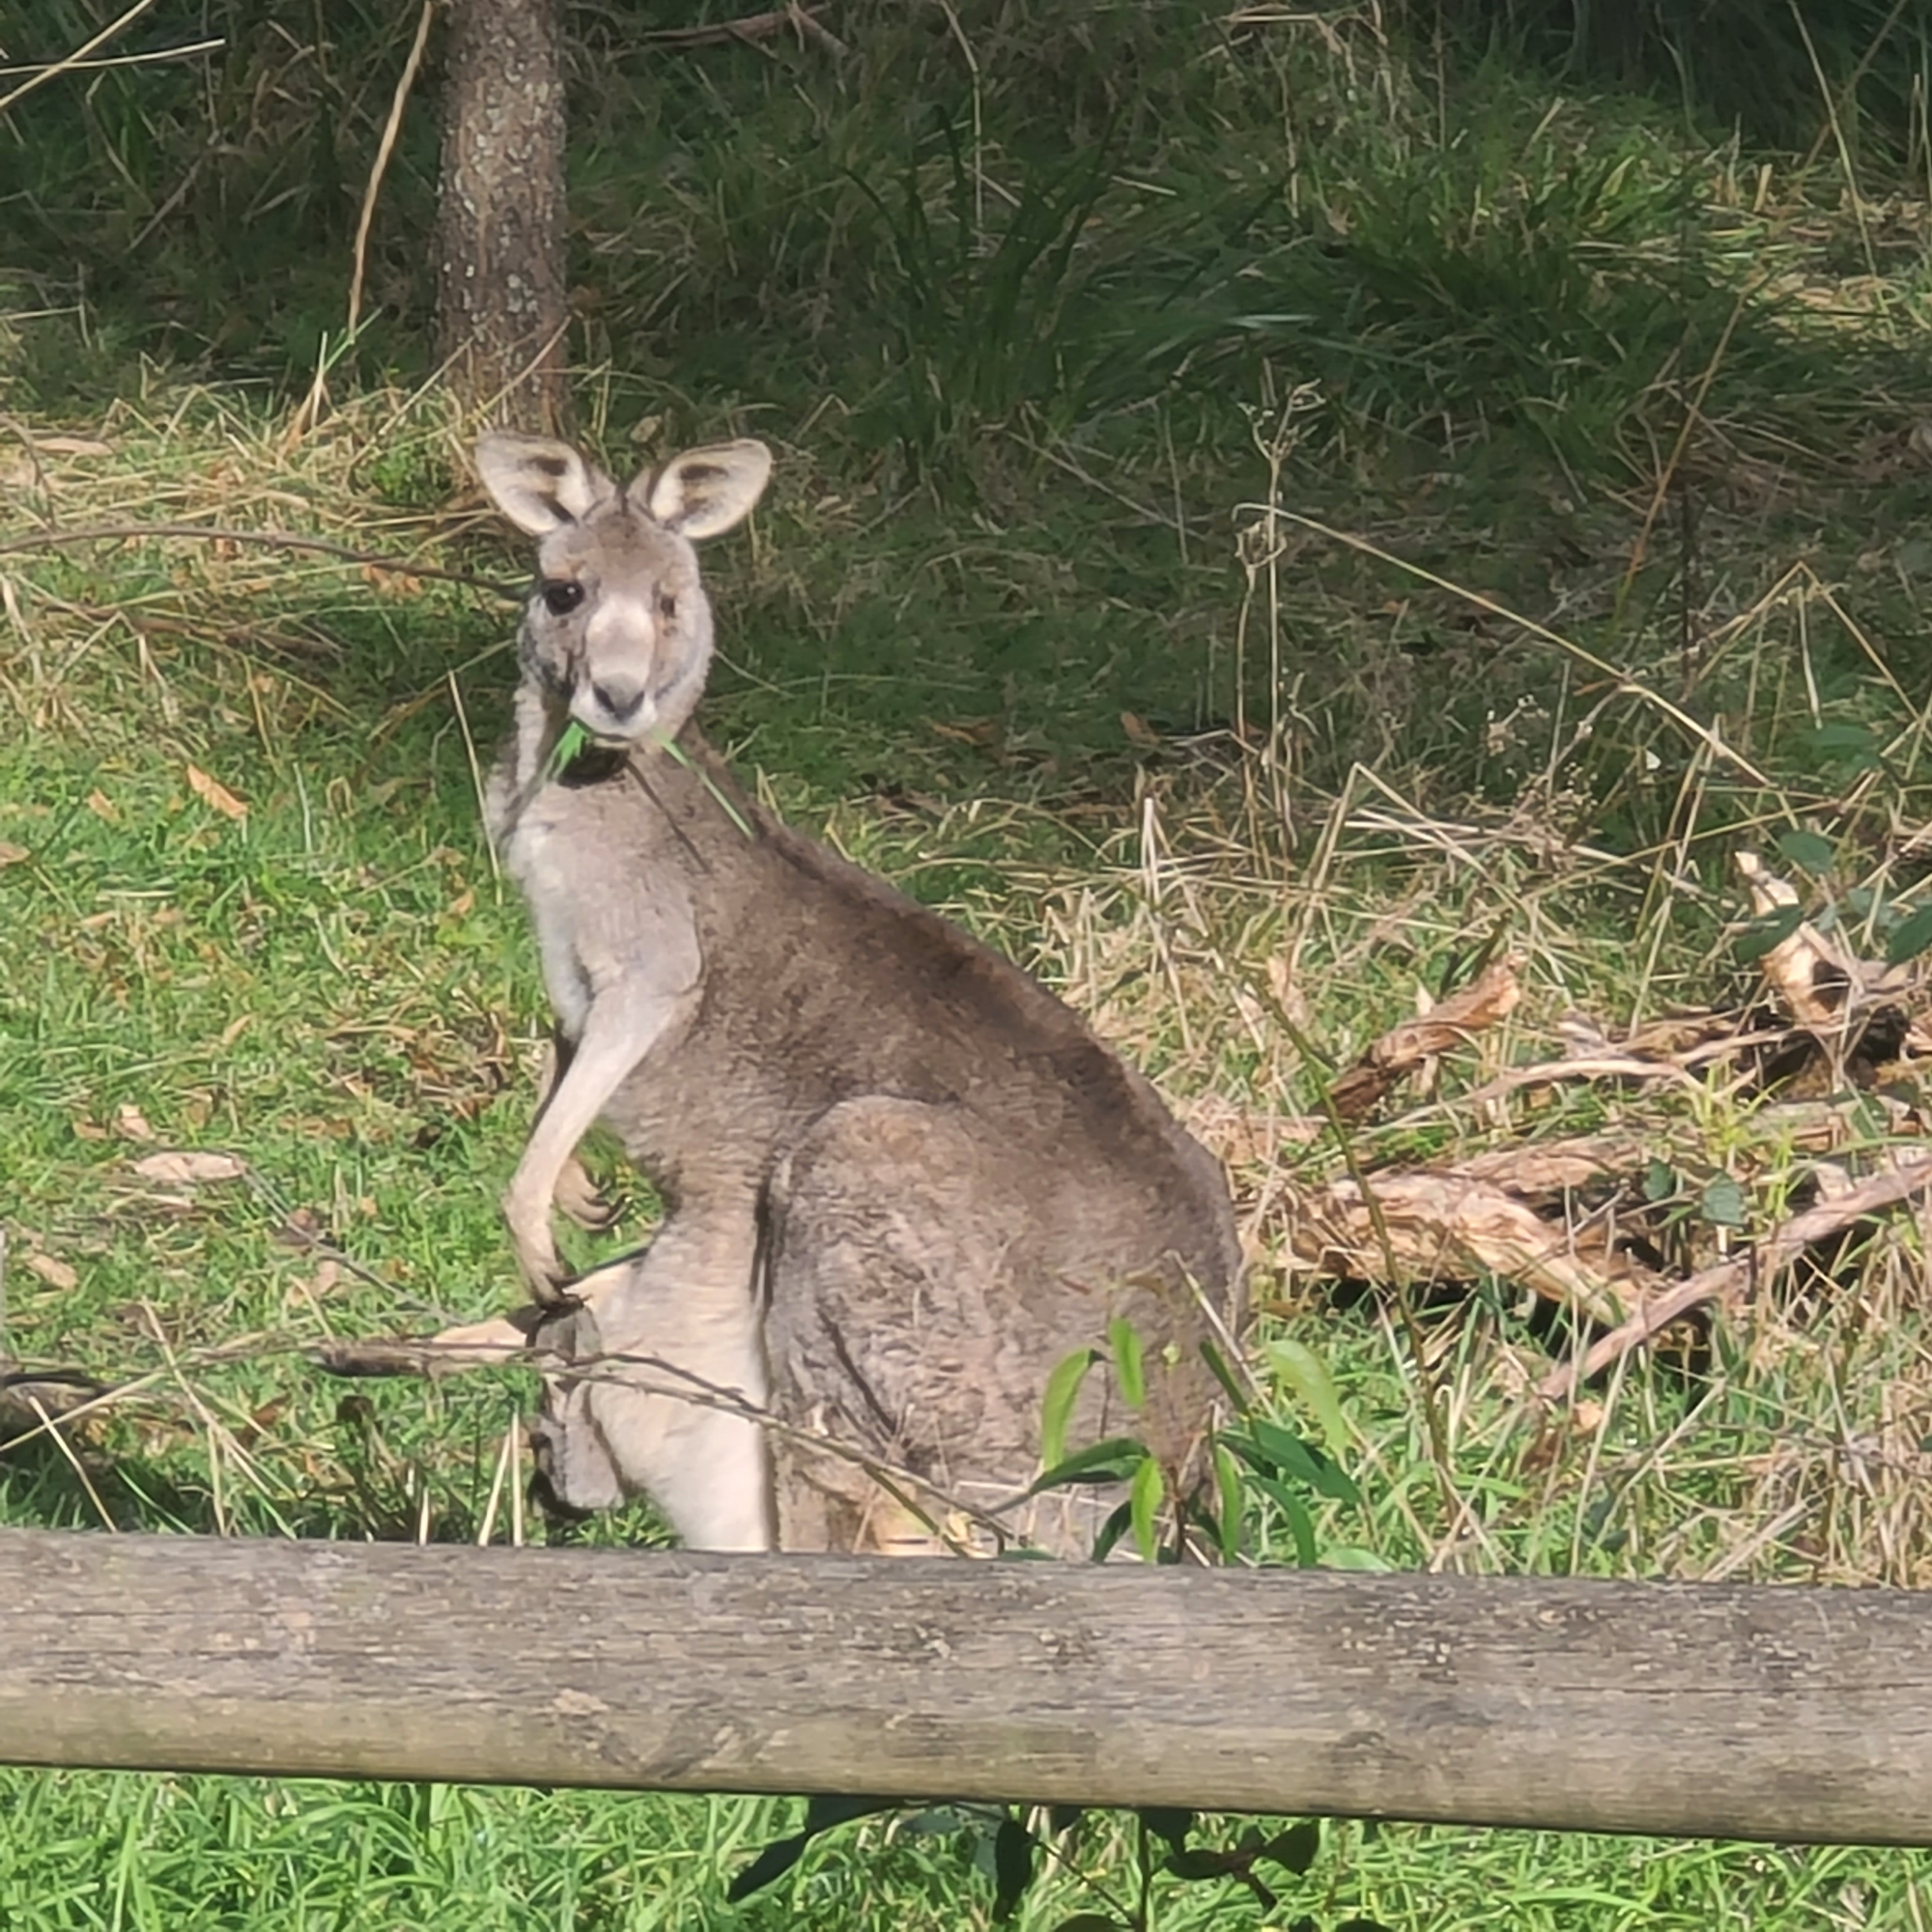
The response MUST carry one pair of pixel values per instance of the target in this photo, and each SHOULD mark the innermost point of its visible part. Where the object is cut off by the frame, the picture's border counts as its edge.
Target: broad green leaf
(569, 740)
(1300, 1524)
(1723, 1204)
(1168, 1823)
(1217, 1365)
(1113, 1460)
(1353, 1556)
(1289, 1453)
(1274, 1449)
(1111, 1531)
(1123, 1339)
(1660, 1181)
(1306, 1374)
(1909, 937)
(1762, 934)
(1144, 1502)
(821, 1814)
(1229, 1499)
(1295, 1849)
(1200, 1863)
(1811, 851)
(1056, 1409)
(1012, 1868)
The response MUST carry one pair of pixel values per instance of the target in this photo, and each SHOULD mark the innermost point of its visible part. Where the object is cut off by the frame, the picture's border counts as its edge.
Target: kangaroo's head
(617, 632)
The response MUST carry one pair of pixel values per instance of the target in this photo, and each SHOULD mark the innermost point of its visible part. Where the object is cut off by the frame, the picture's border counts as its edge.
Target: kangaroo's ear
(702, 493)
(539, 484)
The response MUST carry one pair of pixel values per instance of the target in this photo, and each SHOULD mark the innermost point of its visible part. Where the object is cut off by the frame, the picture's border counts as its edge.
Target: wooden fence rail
(1705, 1710)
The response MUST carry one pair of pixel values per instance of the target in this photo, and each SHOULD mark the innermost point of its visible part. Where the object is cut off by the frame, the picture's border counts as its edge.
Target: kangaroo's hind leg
(912, 1320)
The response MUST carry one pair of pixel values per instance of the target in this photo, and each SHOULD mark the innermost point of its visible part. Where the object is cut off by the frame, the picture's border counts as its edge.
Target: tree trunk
(500, 290)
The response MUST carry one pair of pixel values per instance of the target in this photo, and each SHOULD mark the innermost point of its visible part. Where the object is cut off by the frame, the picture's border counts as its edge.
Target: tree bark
(501, 313)
(1706, 1710)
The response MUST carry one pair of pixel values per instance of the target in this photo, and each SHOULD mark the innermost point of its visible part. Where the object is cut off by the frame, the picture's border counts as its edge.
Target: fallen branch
(1435, 1227)
(1777, 1252)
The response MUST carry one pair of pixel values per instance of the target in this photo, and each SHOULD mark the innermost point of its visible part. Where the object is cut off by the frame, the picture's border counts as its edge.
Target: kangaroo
(903, 1181)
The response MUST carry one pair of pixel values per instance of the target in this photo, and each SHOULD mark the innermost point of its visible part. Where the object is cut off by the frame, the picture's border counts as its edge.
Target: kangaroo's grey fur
(903, 1181)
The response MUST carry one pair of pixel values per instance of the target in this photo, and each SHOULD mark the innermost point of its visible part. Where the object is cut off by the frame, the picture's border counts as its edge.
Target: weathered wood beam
(1719, 1710)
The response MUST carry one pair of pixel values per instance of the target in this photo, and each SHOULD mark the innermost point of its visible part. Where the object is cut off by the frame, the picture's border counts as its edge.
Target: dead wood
(1725, 1281)
(1425, 1228)
(32, 1399)
(1488, 999)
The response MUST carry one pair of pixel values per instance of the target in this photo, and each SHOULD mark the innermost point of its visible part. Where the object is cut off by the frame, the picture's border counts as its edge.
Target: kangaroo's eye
(666, 607)
(561, 596)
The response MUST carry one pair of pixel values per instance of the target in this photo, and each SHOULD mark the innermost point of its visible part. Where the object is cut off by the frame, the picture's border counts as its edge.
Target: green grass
(1041, 334)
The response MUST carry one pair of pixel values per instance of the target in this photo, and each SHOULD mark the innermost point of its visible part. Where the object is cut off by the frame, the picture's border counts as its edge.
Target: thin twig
(73, 64)
(79, 54)
(59, 1438)
(802, 20)
(382, 1356)
(384, 148)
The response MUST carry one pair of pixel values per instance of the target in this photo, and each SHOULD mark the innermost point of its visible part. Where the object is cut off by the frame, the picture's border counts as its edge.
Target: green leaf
(1306, 1374)
(821, 1814)
(569, 740)
(1113, 1460)
(1168, 1823)
(679, 756)
(1278, 1451)
(1300, 1524)
(1217, 1364)
(1353, 1556)
(1012, 1868)
(1295, 1849)
(1201, 1863)
(1270, 1449)
(1809, 851)
(1762, 934)
(1229, 1498)
(941, 1821)
(1909, 937)
(1144, 1502)
(1660, 1181)
(1110, 1533)
(1123, 1339)
(1056, 1409)
(1723, 1204)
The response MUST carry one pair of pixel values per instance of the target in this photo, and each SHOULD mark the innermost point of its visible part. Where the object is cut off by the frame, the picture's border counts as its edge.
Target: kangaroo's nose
(618, 699)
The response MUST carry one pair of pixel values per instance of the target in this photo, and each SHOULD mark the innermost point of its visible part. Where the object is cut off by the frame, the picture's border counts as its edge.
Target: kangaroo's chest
(612, 923)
